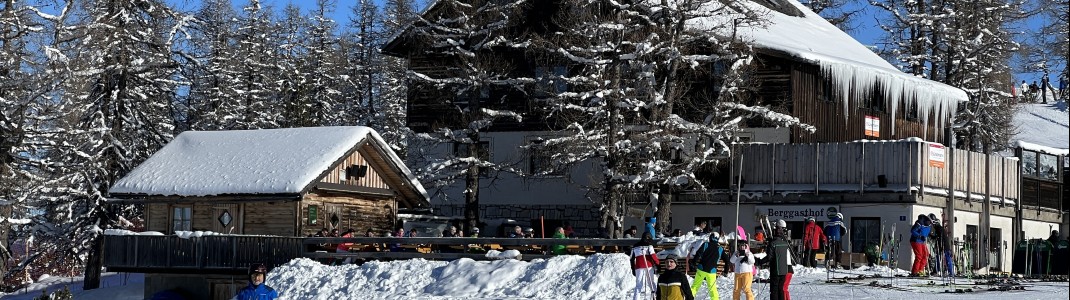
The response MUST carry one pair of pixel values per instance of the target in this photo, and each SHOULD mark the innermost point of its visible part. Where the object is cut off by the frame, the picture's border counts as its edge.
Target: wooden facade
(812, 102)
(876, 167)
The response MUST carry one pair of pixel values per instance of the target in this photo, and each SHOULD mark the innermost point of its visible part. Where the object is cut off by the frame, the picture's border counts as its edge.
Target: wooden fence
(877, 166)
(234, 254)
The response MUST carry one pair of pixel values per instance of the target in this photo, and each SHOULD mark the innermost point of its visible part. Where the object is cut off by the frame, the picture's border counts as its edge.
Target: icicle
(857, 82)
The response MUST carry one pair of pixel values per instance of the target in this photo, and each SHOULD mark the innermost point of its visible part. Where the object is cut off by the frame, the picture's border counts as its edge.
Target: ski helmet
(933, 218)
(781, 224)
(258, 268)
(810, 219)
(714, 236)
(839, 216)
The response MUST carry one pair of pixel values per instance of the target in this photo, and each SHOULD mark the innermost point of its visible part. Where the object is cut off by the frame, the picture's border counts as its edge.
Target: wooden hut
(274, 182)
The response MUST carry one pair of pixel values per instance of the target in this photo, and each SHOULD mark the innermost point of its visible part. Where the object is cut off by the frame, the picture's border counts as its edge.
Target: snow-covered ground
(113, 286)
(1046, 125)
(601, 276)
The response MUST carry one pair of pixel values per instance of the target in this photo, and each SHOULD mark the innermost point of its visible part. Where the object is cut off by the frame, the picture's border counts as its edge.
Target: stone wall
(583, 218)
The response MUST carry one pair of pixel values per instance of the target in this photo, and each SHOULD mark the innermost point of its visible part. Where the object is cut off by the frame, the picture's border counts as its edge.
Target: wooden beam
(409, 255)
(346, 188)
(467, 241)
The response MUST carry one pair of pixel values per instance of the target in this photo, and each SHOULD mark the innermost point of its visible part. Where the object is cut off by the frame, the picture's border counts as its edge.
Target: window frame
(174, 217)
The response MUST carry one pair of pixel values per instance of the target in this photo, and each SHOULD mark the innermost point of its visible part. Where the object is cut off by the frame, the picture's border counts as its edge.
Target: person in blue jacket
(257, 290)
(918, 233)
(650, 226)
(834, 231)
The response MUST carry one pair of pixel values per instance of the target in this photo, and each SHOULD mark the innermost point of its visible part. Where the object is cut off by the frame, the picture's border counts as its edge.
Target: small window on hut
(181, 218)
(313, 214)
(480, 150)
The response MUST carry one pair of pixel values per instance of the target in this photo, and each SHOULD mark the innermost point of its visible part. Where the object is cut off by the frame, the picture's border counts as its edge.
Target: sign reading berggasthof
(790, 213)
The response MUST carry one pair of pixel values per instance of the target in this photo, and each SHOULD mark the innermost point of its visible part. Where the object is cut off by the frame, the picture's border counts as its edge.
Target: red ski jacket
(814, 236)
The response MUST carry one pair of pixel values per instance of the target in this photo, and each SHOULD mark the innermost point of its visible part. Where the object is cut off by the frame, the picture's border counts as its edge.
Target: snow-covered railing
(873, 166)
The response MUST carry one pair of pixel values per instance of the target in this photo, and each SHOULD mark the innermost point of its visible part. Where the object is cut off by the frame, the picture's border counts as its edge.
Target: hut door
(226, 218)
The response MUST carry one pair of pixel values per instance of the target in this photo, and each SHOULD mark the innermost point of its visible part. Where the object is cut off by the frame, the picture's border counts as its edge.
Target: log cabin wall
(357, 212)
(156, 217)
(815, 103)
(269, 218)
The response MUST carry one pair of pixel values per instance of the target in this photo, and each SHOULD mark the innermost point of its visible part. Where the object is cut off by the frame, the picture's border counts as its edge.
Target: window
(713, 224)
(313, 214)
(1048, 166)
(718, 72)
(181, 218)
(481, 151)
(541, 162)
(864, 230)
(550, 81)
(1029, 163)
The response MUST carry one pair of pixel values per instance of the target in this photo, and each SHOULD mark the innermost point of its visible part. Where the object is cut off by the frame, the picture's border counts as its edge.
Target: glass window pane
(1048, 168)
(1029, 163)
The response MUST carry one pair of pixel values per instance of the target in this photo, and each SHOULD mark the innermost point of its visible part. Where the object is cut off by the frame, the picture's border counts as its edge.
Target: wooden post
(817, 168)
(772, 178)
(862, 176)
(542, 224)
(950, 207)
(95, 263)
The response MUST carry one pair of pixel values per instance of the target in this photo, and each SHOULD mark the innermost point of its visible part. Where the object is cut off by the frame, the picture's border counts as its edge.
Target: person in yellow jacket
(672, 285)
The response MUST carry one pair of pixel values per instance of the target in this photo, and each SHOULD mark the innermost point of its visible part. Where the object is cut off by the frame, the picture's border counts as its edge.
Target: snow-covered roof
(1042, 128)
(266, 161)
(843, 59)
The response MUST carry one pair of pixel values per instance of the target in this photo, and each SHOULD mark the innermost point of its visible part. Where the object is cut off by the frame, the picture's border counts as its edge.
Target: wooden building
(274, 182)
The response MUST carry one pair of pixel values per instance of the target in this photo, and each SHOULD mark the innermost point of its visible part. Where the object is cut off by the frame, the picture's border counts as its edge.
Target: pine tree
(625, 96)
(258, 70)
(121, 85)
(214, 101)
(465, 36)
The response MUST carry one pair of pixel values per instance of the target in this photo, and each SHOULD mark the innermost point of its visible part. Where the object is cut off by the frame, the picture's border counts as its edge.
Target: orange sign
(873, 126)
(936, 155)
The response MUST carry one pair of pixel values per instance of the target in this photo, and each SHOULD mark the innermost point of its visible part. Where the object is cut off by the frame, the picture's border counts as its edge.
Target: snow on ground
(600, 276)
(113, 286)
(1045, 125)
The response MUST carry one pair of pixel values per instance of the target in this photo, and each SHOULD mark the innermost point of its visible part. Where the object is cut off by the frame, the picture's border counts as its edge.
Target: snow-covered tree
(965, 44)
(321, 68)
(624, 97)
(122, 82)
(392, 97)
(475, 81)
(214, 70)
(258, 70)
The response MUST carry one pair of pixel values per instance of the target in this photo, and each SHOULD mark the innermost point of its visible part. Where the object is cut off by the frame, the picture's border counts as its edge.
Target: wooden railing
(880, 166)
(220, 253)
(234, 254)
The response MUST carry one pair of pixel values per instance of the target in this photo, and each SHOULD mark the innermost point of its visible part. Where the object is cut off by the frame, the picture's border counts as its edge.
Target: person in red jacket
(644, 260)
(813, 238)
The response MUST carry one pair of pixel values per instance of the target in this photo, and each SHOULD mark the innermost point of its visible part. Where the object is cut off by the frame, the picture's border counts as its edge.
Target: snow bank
(1042, 127)
(128, 232)
(560, 277)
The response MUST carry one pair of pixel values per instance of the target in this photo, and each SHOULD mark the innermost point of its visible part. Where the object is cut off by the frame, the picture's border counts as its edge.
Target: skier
(834, 230)
(644, 259)
(257, 290)
(943, 245)
(672, 284)
(812, 241)
(918, 233)
(706, 258)
(779, 260)
(744, 266)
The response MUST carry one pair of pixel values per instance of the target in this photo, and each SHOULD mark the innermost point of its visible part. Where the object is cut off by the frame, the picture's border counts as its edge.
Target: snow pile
(560, 277)
(508, 254)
